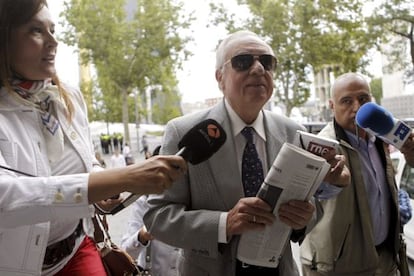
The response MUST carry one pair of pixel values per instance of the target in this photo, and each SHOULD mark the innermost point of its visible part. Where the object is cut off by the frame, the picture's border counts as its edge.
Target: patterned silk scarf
(41, 95)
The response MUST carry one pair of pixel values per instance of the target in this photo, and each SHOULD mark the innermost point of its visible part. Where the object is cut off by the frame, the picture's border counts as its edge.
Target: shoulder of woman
(73, 92)
(70, 88)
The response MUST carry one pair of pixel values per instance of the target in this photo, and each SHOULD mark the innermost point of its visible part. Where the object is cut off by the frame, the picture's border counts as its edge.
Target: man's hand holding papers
(339, 174)
(284, 184)
(316, 160)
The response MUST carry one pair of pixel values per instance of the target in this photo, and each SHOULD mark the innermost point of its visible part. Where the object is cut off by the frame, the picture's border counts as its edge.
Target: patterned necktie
(252, 170)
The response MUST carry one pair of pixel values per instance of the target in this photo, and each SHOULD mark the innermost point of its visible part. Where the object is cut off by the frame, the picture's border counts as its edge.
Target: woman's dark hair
(13, 14)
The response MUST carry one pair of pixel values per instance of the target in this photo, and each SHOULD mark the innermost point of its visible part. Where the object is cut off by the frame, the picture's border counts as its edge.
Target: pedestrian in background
(117, 159)
(126, 152)
(145, 147)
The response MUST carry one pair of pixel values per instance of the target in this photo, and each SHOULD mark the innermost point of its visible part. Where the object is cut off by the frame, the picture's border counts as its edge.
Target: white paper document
(295, 174)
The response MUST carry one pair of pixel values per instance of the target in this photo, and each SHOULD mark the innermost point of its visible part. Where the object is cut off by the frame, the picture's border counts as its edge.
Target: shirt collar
(238, 124)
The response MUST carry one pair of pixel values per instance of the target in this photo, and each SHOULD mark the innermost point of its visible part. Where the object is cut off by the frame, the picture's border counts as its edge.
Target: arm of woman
(151, 176)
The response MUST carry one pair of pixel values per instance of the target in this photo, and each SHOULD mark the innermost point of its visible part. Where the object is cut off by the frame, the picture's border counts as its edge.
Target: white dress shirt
(259, 138)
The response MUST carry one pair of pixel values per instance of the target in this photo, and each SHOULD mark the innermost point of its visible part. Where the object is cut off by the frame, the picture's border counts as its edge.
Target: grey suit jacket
(187, 215)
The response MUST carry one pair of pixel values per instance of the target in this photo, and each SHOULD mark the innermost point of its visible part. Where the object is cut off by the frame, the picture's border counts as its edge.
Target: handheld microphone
(378, 121)
(196, 146)
(201, 141)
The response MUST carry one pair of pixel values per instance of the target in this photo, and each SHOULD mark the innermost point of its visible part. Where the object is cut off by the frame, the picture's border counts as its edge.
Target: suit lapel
(274, 139)
(223, 163)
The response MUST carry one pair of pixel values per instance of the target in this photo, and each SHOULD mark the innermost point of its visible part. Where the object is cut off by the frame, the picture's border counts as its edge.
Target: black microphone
(201, 141)
(196, 146)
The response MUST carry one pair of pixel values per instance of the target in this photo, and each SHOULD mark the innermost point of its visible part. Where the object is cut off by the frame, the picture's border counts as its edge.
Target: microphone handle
(130, 199)
(133, 197)
(182, 152)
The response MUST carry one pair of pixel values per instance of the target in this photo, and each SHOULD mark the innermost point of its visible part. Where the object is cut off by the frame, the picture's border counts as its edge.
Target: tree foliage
(305, 36)
(393, 22)
(376, 89)
(129, 51)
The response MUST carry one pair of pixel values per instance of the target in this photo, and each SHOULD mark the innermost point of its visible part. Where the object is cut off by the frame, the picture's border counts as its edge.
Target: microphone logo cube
(213, 131)
(402, 131)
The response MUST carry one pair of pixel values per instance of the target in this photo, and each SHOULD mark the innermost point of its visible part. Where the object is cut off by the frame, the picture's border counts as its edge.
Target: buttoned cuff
(222, 228)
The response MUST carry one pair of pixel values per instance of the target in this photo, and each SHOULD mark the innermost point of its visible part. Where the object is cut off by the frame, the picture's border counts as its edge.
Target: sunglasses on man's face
(245, 61)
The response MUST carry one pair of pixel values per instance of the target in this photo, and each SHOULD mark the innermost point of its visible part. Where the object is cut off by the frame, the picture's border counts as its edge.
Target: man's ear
(331, 104)
(219, 79)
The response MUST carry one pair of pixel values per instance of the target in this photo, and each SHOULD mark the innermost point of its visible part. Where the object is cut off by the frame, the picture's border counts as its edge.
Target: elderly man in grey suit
(206, 212)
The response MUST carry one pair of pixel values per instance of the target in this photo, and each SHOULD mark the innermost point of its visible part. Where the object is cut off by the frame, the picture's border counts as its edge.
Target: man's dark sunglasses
(245, 61)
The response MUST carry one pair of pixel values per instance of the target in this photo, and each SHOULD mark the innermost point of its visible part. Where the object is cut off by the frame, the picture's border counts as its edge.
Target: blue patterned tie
(252, 170)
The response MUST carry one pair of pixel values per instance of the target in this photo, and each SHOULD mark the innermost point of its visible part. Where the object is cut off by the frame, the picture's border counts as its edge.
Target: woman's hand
(151, 176)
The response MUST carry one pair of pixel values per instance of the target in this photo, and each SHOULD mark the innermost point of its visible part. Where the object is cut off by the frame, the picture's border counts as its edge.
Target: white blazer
(28, 204)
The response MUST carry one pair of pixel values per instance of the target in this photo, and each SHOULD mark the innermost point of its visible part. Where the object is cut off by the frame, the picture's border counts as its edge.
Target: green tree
(376, 89)
(393, 23)
(163, 107)
(305, 35)
(128, 53)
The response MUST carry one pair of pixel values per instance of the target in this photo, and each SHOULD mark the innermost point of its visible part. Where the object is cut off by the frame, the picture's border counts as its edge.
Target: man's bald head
(345, 80)
(349, 92)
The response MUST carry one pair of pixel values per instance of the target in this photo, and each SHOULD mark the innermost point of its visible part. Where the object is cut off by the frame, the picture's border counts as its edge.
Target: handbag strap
(148, 256)
(100, 229)
(16, 171)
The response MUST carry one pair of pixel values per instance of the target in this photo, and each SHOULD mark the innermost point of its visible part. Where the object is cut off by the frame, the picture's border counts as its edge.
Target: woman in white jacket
(46, 156)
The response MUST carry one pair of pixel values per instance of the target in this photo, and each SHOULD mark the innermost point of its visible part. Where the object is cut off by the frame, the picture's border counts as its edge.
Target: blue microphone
(378, 121)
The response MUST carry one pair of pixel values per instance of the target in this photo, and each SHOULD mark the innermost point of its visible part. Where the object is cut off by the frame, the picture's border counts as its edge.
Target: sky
(66, 59)
(196, 80)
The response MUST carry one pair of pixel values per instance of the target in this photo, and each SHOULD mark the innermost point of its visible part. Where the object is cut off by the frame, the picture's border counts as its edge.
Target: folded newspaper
(316, 144)
(295, 174)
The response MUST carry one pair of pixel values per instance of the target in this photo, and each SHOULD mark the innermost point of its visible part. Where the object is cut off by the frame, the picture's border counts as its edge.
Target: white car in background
(405, 179)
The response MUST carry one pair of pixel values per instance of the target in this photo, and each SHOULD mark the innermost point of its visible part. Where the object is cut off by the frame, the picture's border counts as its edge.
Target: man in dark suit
(207, 211)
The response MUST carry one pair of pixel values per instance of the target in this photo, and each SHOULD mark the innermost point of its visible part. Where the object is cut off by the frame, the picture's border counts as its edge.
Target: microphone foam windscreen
(375, 117)
(202, 141)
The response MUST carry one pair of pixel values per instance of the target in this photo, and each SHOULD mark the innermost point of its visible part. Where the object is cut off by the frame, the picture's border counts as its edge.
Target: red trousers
(85, 262)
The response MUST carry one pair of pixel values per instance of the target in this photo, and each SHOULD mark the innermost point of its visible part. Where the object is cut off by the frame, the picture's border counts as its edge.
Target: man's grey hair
(234, 39)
